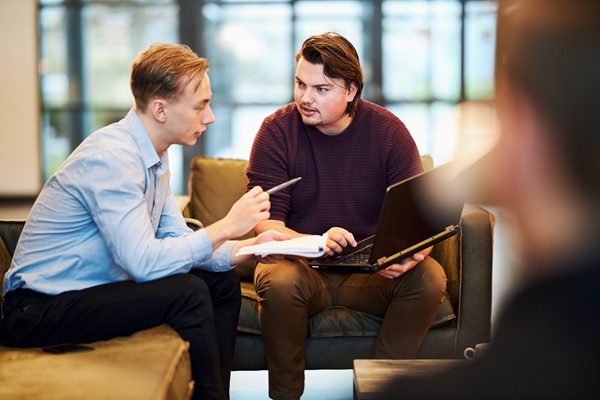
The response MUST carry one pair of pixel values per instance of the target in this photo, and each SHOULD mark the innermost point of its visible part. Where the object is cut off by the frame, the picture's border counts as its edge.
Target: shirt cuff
(201, 247)
(221, 257)
(204, 258)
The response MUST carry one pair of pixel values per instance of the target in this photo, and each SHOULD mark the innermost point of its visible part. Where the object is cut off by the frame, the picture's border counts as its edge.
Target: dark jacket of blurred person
(544, 173)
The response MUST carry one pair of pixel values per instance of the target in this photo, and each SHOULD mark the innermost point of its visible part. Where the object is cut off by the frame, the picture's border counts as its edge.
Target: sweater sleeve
(268, 165)
(403, 159)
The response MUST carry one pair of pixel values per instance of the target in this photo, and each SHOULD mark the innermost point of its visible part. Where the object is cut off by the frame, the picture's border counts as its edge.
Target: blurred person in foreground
(545, 173)
(106, 252)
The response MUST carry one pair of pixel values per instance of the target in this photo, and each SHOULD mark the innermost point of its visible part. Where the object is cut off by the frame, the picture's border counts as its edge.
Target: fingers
(387, 274)
(418, 257)
(268, 236)
(396, 270)
(256, 201)
(342, 236)
(333, 247)
(259, 196)
(272, 235)
(337, 239)
(254, 191)
(247, 211)
(276, 235)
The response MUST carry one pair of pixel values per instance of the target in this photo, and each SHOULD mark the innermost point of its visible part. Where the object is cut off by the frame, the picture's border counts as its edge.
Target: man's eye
(322, 90)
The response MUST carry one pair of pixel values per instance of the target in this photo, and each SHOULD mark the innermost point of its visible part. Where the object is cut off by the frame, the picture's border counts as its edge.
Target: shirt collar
(142, 139)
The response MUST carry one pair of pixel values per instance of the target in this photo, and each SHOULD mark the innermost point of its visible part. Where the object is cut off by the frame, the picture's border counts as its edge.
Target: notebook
(415, 214)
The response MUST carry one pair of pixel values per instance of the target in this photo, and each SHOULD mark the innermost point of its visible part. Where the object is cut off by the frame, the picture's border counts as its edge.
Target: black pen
(277, 188)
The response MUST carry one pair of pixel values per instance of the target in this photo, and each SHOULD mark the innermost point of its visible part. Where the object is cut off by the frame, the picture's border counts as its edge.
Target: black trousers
(203, 307)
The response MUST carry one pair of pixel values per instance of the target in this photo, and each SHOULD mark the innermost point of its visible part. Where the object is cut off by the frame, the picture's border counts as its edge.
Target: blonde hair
(164, 70)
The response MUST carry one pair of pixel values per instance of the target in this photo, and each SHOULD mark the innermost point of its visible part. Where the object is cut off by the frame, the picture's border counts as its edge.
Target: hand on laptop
(338, 238)
(395, 270)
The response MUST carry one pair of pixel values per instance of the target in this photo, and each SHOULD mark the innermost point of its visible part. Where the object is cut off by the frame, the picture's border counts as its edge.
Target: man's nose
(209, 117)
(306, 96)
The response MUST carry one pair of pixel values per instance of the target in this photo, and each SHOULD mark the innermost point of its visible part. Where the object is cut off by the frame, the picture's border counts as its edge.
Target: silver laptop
(415, 215)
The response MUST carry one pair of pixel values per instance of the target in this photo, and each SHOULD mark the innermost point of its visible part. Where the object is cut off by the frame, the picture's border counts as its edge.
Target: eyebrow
(325, 85)
(202, 102)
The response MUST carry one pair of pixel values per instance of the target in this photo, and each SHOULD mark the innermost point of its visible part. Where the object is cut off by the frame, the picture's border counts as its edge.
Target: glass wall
(86, 49)
(423, 59)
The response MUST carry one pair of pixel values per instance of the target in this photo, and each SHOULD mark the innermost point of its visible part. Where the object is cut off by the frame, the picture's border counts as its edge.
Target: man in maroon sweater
(347, 152)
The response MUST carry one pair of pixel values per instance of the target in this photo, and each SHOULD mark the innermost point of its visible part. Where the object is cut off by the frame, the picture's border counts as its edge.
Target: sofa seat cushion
(151, 364)
(332, 321)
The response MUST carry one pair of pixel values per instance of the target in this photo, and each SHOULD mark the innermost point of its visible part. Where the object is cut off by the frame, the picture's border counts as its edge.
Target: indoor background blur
(421, 58)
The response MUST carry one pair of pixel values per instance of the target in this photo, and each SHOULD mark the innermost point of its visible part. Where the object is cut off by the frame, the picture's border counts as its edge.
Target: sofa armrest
(10, 230)
(474, 311)
(193, 223)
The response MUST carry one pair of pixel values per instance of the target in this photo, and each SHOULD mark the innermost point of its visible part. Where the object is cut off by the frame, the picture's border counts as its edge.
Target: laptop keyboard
(360, 257)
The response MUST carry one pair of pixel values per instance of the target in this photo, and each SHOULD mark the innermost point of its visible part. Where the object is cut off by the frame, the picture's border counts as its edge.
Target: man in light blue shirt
(106, 252)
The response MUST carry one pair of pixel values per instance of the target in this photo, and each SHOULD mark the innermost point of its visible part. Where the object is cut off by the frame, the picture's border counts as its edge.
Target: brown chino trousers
(290, 291)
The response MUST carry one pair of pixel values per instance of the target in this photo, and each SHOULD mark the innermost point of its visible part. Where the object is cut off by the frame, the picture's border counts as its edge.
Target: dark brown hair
(550, 49)
(339, 59)
(163, 70)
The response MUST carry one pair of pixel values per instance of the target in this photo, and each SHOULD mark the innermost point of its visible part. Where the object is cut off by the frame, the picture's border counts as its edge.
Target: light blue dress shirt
(108, 215)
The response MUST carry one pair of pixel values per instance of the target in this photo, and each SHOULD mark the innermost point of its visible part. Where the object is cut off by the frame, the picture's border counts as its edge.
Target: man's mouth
(197, 134)
(308, 111)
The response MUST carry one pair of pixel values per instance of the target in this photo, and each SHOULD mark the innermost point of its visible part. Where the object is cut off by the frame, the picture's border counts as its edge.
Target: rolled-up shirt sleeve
(220, 259)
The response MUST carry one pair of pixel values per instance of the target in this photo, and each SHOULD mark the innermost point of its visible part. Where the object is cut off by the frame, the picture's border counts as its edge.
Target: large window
(86, 49)
(422, 59)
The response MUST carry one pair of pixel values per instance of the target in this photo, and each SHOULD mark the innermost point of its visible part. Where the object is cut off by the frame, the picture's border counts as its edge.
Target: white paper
(312, 246)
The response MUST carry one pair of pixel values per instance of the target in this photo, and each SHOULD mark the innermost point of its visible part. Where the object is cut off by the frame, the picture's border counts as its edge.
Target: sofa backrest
(215, 184)
(10, 230)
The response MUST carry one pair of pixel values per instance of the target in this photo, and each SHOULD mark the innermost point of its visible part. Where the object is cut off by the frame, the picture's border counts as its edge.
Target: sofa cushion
(151, 364)
(332, 321)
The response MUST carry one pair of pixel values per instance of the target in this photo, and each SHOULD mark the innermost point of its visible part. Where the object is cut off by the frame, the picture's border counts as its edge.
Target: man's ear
(158, 108)
(351, 92)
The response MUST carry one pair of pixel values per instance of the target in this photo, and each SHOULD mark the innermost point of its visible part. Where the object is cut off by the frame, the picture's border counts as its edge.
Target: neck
(337, 127)
(154, 130)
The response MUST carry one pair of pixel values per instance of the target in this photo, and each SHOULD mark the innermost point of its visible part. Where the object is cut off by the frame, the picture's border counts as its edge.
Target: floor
(324, 384)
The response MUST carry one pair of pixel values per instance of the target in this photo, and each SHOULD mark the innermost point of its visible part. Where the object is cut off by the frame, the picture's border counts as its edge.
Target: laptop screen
(415, 210)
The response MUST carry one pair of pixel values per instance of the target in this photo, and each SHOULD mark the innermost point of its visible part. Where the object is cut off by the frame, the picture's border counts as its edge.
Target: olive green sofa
(337, 335)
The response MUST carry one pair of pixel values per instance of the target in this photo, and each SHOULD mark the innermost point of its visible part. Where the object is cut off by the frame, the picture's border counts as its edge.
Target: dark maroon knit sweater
(344, 177)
